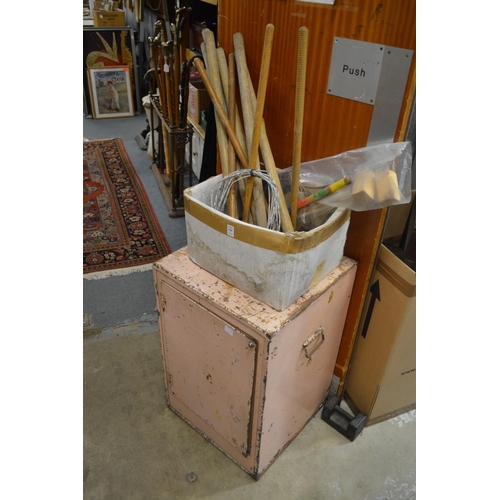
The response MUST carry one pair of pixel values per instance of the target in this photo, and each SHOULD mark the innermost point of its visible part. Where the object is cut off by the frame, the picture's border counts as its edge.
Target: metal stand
(178, 169)
(348, 425)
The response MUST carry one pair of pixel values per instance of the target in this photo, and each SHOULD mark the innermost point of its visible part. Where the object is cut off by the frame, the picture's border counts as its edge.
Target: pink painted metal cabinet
(244, 375)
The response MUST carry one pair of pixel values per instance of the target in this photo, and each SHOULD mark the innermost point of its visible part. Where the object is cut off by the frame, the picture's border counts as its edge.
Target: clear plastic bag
(379, 175)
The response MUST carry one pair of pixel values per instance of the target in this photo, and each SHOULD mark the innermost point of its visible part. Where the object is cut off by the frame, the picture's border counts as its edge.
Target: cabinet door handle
(306, 345)
(163, 302)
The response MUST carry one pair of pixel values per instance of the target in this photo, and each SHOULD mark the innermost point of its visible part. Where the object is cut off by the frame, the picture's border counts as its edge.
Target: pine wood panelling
(331, 124)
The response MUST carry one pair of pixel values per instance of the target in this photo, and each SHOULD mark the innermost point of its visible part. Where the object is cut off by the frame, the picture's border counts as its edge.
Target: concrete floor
(136, 448)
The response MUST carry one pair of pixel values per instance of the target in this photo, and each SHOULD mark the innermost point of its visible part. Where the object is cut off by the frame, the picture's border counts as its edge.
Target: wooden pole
(213, 72)
(299, 118)
(240, 133)
(219, 109)
(259, 111)
(267, 155)
(231, 204)
(224, 76)
(246, 90)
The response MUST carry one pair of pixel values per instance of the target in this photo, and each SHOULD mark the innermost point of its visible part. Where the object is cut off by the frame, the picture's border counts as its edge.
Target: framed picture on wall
(107, 47)
(111, 92)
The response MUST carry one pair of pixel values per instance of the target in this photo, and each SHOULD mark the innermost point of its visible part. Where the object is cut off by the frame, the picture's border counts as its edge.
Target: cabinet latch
(163, 302)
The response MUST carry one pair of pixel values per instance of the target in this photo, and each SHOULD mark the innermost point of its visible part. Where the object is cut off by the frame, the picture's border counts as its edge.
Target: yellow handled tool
(323, 192)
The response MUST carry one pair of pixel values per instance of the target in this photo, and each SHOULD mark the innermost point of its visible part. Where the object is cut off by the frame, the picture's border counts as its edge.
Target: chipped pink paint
(236, 369)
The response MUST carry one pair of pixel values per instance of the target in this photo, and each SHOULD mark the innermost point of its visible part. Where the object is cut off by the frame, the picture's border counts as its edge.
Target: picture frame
(111, 91)
(109, 47)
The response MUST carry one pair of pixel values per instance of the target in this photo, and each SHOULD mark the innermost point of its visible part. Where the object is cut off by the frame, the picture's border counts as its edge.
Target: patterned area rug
(121, 233)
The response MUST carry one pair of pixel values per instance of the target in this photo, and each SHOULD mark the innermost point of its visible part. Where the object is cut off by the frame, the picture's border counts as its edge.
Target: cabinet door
(210, 367)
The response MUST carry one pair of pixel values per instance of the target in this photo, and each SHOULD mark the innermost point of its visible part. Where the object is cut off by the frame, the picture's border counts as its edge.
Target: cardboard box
(199, 100)
(108, 18)
(101, 5)
(382, 379)
(396, 219)
(274, 267)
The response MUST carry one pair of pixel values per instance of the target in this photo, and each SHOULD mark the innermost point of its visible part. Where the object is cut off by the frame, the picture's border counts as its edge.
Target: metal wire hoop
(221, 193)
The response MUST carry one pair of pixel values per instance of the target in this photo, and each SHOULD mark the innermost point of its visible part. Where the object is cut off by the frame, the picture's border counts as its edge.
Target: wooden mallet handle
(213, 71)
(299, 118)
(231, 204)
(259, 111)
(221, 113)
(265, 147)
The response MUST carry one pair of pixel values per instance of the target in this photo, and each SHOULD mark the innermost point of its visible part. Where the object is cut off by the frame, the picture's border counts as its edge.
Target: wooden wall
(331, 124)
